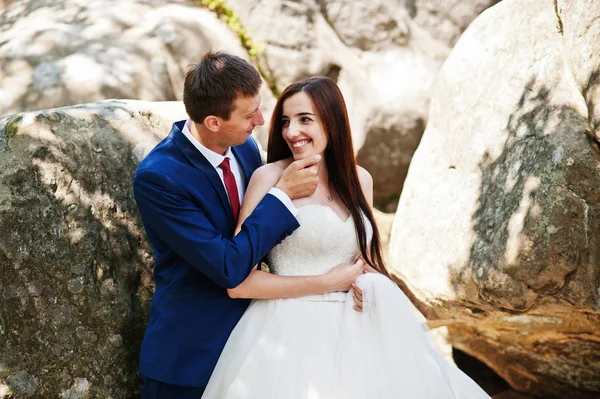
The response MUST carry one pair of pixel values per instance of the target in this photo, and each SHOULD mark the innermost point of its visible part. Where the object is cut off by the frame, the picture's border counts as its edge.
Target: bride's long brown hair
(330, 106)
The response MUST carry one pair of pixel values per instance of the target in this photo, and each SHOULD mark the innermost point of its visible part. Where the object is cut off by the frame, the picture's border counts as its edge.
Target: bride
(318, 347)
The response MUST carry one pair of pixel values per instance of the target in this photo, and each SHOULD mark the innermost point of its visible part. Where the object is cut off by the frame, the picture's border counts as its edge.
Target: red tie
(232, 189)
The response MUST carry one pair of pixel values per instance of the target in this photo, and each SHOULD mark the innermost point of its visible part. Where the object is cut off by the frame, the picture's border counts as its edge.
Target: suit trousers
(153, 389)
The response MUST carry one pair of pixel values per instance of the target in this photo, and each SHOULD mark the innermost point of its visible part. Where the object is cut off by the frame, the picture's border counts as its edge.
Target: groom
(188, 191)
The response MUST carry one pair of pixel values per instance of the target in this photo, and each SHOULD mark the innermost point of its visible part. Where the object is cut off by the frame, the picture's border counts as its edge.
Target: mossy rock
(75, 266)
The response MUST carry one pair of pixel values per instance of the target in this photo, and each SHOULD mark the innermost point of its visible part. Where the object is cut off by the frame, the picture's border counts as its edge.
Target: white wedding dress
(318, 347)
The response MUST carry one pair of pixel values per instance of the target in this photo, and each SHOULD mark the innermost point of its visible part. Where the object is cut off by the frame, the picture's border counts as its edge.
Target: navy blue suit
(188, 220)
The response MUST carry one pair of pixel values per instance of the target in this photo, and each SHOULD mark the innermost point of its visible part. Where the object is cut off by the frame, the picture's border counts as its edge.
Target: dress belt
(330, 297)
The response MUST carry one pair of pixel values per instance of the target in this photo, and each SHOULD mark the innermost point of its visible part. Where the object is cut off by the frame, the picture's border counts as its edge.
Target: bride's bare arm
(263, 179)
(366, 183)
(263, 285)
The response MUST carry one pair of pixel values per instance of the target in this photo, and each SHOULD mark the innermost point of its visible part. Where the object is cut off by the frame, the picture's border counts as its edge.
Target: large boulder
(446, 20)
(497, 233)
(70, 52)
(75, 268)
(383, 57)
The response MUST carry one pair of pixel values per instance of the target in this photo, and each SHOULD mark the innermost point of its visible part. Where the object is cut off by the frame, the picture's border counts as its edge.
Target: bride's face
(301, 128)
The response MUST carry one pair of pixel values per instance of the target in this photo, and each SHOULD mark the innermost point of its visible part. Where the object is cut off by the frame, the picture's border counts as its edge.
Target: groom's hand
(300, 178)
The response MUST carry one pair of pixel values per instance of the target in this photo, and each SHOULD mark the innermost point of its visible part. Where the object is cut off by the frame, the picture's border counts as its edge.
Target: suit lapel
(243, 164)
(196, 158)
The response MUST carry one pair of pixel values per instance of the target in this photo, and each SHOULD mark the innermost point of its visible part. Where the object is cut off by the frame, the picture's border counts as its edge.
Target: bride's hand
(342, 276)
(357, 293)
(368, 268)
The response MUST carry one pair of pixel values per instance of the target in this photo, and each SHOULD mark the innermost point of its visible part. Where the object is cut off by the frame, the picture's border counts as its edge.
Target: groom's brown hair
(330, 106)
(212, 85)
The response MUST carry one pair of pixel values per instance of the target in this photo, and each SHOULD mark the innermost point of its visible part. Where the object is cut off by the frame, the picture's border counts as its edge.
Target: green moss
(559, 19)
(254, 50)
(12, 127)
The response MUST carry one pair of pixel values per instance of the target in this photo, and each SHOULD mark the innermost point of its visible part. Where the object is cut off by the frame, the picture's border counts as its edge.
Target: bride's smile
(300, 144)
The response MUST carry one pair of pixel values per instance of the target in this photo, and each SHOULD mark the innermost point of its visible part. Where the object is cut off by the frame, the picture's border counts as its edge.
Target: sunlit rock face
(384, 55)
(497, 232)
(75, 268)
(56, 53)
(71, 52)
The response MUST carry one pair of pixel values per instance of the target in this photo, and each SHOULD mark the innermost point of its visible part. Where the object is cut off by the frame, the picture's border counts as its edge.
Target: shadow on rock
(536, 250)
(74, 264)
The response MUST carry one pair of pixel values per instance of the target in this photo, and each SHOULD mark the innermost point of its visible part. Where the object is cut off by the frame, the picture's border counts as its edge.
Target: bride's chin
(302, 154)
(298, 157)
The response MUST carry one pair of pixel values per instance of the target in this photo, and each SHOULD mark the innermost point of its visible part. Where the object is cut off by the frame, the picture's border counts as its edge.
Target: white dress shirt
(215, 159)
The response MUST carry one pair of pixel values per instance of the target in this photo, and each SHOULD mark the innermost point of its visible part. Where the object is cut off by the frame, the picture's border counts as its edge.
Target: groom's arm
(168, 212)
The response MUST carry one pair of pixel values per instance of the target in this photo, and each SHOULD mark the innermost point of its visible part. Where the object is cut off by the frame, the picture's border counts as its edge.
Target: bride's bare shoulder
(271, 171)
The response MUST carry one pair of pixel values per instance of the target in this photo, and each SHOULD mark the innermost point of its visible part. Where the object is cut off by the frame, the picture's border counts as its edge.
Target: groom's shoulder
(167, 150)
(163, 164)
(160, 156)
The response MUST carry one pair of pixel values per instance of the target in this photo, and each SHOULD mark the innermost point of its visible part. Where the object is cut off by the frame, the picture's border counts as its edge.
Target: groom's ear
(212, 123)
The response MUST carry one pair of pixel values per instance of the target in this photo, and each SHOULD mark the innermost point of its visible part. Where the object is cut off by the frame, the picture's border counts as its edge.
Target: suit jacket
(188, 220)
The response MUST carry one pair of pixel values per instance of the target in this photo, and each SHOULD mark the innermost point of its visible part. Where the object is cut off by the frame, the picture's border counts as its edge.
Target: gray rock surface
(446, 20)
(56, 53)
(497, 231)
(75, 267)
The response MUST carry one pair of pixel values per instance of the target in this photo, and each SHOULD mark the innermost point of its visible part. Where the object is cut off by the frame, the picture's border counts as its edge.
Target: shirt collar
(214, 158)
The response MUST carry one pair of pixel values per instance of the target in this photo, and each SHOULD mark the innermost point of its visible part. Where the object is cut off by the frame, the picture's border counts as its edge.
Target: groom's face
(245, 116)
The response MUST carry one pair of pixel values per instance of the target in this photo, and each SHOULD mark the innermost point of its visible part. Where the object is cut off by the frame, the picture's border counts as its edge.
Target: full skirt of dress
(319, 347)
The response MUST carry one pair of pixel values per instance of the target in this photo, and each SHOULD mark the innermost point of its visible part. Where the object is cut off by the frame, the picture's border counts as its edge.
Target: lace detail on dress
(322, 242)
